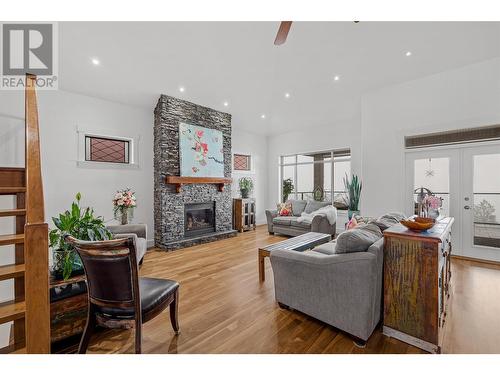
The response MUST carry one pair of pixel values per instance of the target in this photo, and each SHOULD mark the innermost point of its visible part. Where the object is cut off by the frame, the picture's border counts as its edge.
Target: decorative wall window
(101, 148)
(242, 162)
(108, 150)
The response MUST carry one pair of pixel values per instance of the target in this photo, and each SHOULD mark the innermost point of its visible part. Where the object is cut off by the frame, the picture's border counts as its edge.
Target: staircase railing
(36, 251)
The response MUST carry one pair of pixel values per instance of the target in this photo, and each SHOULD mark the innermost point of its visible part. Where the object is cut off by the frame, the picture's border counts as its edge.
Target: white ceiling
(238, 62)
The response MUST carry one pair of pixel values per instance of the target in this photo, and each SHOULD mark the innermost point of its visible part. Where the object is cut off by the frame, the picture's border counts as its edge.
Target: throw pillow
(388, 220)
(284, 209)
(358, 239)
(352, 223)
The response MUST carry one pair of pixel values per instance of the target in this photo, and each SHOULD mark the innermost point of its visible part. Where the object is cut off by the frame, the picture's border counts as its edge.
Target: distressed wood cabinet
(68, 313)
(417, 277)
(244, 214)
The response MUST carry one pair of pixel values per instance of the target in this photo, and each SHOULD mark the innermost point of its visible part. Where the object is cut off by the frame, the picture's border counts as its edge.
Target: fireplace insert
(199, 218)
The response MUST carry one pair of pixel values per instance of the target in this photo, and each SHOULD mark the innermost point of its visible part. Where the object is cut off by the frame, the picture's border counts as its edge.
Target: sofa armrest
(270, 215)
(321, 224)
(138, 229)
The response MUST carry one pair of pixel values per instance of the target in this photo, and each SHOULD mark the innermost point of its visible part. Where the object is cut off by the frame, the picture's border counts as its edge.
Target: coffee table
(300, 243)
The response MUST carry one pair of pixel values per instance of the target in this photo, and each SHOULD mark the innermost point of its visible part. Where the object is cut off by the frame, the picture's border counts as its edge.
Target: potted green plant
(287, 188)
(353, 187)
(246, 186)
(81, 224)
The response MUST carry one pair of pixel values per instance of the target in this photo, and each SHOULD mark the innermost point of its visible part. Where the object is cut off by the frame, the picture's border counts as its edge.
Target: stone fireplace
(198, 212)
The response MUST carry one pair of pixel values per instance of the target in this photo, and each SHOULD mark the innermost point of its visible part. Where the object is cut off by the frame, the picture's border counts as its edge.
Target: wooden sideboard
(68, 313)
(244, 214)
(417, 278)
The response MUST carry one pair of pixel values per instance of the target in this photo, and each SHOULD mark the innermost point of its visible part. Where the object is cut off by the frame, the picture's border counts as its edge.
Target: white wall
(60, 114)
(346, 134)
(256, 146)
(460, 98)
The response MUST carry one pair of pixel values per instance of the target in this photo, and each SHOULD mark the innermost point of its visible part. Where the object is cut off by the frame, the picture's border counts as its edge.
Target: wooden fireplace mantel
(178, 181)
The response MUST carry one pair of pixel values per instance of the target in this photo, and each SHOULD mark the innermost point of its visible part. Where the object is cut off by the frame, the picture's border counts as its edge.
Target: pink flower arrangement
(124, 199)
(433, 202)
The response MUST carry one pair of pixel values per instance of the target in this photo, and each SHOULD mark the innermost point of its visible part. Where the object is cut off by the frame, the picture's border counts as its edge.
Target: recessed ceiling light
(225, 104)
(182, 89)
(336, 78)
(408, 54)
(95, 61)
(287, 95)
(263, 116)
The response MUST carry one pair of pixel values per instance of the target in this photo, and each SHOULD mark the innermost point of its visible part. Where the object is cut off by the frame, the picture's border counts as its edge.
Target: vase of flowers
(431, 206)
(124, 203)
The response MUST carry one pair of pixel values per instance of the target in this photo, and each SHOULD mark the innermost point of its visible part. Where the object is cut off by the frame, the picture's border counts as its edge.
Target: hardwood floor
(224, 309)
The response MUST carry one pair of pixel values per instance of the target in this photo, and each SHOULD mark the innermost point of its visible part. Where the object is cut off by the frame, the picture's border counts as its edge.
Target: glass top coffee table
(300, 243)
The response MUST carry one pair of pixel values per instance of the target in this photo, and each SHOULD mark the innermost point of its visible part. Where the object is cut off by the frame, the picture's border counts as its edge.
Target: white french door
(468, 179)
(480, 202)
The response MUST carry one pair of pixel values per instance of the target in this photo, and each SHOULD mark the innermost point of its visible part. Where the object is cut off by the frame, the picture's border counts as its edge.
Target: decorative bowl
(419, 224)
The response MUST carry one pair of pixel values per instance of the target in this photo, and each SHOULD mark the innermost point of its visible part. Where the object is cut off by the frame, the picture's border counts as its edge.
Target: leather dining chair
(117, 296)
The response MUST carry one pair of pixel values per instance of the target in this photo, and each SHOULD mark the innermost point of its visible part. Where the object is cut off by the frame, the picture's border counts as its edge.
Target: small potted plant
(353, 187)
(80, 223)
(287, 188)
(246, 186)
(124, 203)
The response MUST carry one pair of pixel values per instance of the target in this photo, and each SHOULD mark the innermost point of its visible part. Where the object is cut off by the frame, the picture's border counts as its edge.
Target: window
(242, 162)
(315, 175)
(106, 150)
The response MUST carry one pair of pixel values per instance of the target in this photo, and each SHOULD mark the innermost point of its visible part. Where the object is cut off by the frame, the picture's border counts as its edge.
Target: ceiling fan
(283, 32)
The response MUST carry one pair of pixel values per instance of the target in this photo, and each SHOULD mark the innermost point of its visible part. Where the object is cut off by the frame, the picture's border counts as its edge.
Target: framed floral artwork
(201, 151)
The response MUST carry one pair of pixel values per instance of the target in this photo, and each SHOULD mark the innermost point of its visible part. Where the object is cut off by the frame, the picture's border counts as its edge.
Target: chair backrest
(111, 270)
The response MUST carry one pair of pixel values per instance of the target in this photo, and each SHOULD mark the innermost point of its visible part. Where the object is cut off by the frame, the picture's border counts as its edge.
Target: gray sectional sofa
(288, 225)
(340, 282)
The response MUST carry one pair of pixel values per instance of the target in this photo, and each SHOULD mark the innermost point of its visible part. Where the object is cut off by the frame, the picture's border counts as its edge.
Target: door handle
(467, 207)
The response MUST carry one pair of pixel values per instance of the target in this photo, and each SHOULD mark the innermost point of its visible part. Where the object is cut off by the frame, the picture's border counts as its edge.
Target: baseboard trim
(477, 260)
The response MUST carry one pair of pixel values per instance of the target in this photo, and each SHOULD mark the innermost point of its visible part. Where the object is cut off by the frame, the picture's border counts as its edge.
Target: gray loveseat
(137, 231)
(343, 290)
(288, 225)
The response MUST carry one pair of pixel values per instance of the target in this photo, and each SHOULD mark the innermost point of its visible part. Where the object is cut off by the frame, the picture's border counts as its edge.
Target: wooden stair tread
(11, 310)
(11, 239)
(11, 271)
(11, 190)
(13, 212)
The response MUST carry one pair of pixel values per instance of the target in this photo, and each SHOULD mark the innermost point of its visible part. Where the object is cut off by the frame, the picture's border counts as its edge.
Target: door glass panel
(486, 188)
(305, 181)
(433, 174)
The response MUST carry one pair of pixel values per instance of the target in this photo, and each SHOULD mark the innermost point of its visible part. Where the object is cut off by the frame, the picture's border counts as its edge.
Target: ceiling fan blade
(282, 32)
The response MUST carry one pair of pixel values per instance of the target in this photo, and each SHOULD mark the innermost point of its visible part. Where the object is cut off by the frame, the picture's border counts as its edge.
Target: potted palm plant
(80, 223)
(353, 187)
(246, 186)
